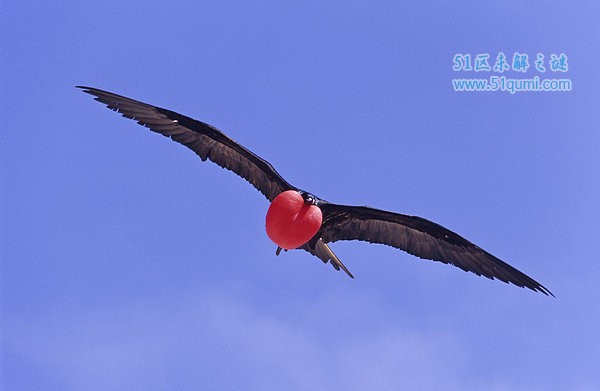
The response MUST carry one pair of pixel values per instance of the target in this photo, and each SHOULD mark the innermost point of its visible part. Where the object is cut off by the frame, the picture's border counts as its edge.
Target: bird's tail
(335, 261)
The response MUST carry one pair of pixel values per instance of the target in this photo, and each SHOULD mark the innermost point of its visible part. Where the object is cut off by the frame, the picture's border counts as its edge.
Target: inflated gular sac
(290, 221)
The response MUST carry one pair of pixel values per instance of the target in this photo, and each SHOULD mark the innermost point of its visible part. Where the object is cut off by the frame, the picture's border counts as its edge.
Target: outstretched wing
(205, 140)
(418, 237)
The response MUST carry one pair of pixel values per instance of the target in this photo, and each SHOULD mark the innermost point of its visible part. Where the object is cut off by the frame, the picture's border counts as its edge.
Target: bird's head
(308, 198)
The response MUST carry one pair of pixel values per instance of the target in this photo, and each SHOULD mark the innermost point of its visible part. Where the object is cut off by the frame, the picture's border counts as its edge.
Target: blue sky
(127, 263)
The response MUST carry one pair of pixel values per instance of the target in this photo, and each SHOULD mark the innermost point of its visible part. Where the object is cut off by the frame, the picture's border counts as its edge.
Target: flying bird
(297, 219)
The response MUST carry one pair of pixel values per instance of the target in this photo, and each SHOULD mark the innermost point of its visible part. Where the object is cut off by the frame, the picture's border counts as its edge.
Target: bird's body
(298, 219)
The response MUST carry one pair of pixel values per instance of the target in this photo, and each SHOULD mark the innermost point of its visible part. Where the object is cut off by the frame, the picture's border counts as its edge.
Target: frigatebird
(297, 219)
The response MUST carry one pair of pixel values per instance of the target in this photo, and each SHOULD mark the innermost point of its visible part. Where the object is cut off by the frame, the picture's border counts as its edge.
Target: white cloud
(206, 339)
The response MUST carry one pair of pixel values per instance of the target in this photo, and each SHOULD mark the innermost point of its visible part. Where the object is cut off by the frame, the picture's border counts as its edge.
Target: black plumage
(415, 235)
